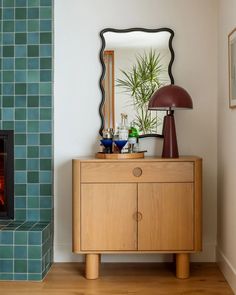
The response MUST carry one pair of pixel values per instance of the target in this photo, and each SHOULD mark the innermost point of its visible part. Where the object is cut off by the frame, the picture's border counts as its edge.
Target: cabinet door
(167, 216)
(108, 217)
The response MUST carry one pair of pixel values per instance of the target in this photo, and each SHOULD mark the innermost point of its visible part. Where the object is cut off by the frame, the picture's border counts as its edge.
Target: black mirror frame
(104, 68)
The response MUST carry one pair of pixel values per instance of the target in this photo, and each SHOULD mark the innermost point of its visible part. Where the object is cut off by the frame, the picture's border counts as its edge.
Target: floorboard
(122, 279)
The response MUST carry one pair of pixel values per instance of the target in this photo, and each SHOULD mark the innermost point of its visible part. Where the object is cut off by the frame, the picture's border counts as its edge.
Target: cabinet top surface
(146, 159)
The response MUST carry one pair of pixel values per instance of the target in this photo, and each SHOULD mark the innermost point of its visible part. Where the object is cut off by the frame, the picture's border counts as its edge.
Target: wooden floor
(120, 279)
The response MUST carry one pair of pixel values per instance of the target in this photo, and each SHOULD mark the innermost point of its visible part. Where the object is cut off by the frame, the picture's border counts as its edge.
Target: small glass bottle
(133, 138)
(123, 128)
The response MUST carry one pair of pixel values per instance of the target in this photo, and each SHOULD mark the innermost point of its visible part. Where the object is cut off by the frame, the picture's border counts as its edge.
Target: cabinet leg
(182, 265)
(92, 266)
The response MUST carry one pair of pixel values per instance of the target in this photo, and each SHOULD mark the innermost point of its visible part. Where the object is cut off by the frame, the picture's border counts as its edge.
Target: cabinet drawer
(137, 172)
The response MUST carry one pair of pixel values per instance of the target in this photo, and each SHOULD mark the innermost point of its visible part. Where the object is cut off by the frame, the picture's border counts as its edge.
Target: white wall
(77, 94)
(226, 150)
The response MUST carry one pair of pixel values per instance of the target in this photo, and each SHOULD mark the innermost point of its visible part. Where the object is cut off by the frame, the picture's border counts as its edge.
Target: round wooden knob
(139, 216)
(137, 172)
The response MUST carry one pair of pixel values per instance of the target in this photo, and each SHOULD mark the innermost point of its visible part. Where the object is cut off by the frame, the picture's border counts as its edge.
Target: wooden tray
(117, 156)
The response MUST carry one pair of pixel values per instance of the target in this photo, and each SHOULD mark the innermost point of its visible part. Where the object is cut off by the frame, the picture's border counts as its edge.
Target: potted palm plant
(140, 82)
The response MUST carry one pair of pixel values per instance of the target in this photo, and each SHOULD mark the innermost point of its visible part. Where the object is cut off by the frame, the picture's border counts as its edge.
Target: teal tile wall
(26, 104)
(25, 250)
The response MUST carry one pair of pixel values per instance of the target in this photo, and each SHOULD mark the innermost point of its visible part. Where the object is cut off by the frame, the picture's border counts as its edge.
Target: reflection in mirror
(136, 62)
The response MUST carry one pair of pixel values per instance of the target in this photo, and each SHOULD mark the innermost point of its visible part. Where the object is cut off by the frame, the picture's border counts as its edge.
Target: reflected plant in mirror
(135, 63)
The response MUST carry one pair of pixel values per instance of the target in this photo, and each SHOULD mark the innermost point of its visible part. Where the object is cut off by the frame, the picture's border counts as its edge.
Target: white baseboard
(227, 269)
(63, 253)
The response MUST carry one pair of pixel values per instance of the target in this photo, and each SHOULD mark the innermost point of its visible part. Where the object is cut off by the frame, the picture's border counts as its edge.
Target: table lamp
(169, 98)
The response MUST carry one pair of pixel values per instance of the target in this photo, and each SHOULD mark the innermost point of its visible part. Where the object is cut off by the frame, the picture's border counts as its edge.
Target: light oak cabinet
(137, 206)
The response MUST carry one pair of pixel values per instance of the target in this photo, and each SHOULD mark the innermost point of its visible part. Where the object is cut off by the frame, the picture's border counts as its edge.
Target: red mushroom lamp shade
(169, 98)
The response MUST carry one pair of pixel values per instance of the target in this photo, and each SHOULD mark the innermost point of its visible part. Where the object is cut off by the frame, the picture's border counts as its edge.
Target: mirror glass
(135, 63)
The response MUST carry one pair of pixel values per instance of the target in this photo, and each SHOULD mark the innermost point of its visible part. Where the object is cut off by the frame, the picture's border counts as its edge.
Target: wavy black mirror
(135, 63)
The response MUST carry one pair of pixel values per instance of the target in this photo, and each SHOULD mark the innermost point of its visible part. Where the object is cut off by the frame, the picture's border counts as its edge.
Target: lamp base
(170, 147)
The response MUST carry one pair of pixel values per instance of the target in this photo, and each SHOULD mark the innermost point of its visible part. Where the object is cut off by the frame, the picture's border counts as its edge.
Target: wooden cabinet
(137, 206)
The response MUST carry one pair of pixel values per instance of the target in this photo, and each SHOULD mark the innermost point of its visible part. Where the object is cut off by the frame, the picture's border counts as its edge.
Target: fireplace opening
(6, 174)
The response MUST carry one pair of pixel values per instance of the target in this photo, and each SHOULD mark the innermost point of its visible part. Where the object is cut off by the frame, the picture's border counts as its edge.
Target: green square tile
(20, 13)
(33, 214)
(46, 126)
(20, 88)
(8, 26)
(45, 88)
(35, 277)
(8, 76)
(20, 114)
(20, 139)
(8, 13)
(33, 101)
(8, 101)
(20, 214)
(32, 152)
(45, 139)
(46, 214)
(20, 152)
(45, 164)
(20, 126)
(20, 38)
(8, 125)
(46, 101)
(8, 51)
(33, 3)
(45, 2)
(21, 3)
(46, 202)
(20, 101)
(8, 3)
(35, 238)
(45, 114)
(33, 25)
(34, 252)
(45, 63)
(20, 252)
(8, 114)
(45, 38)
(33, 76)
(20, 277)
(6, 269)
(33, 50)
(45, 13)
(20, 266)
(20, 64)
(45, 76)
(33, 177)
(33, 126)
(6, 252)
(33, 202)
(20, 164)
(33, 139)
(20, 189)
(33, 164)
(6, 238)
(20, 26)
(35, 266)
(45, 189)
(33, 13)
(20, 202)
(20, 76)
(21, 238)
